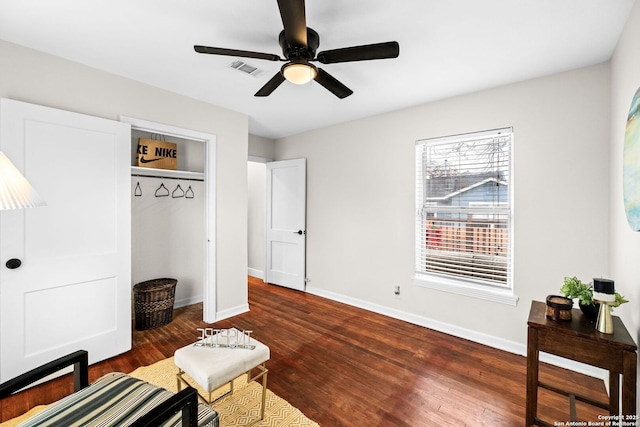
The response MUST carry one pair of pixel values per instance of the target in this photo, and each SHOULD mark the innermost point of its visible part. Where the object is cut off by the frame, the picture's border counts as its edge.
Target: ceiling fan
(299, 44)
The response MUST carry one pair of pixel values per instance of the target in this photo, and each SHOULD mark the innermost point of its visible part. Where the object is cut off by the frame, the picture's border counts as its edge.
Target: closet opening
(173, 215)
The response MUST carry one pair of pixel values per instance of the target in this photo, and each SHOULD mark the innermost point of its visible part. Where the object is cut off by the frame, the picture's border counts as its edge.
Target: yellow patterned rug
(239, 409)
(242, 408)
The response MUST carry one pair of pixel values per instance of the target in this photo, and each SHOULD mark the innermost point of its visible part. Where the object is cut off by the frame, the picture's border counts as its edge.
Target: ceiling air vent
(246, 68)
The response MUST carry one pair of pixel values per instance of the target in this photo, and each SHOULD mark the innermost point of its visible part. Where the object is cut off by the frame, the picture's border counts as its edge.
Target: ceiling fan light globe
(299, 73)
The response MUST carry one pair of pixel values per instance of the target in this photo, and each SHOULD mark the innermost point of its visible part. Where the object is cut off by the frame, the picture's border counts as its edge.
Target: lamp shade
(15, 190)
(299, 73)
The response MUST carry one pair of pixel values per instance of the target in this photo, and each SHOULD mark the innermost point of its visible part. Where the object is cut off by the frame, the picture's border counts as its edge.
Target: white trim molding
(502, 296)
(209, 288)
(233, 311)
(256, 273)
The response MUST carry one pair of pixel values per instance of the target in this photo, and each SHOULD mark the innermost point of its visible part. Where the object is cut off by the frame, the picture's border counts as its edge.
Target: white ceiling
(447, 48)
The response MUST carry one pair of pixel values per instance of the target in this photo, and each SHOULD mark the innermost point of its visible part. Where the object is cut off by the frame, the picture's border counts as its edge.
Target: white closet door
(73, 288)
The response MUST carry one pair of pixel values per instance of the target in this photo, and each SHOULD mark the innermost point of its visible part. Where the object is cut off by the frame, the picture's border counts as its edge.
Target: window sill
(502, 296)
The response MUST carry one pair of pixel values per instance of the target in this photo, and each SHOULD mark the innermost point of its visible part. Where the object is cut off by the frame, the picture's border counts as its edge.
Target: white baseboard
(457, 331)
(230, 312)
(187, 301)
(221, 315)
(256, 273)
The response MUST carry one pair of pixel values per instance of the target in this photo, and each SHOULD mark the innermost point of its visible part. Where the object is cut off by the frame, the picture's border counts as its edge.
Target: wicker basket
(154, 302)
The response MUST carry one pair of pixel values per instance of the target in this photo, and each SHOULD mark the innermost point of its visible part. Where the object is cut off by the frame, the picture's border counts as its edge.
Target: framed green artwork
(631, 164)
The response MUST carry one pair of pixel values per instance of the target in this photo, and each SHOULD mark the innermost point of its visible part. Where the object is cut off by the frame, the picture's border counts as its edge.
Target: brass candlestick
(604, 293)
(604, 323)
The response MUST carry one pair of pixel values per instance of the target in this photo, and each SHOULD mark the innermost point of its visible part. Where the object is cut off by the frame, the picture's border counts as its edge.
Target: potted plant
(575, 288)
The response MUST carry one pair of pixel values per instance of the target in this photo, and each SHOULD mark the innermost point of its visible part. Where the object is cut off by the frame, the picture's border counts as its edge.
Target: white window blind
(463, 207)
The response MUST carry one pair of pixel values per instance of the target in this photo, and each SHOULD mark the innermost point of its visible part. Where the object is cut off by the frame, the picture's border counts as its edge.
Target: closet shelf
(166, 173)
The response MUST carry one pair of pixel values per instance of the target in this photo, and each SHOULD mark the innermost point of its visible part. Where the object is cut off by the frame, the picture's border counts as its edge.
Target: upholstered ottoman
(212, 367)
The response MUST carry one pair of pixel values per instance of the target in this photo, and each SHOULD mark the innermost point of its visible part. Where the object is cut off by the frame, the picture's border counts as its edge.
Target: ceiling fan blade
(332, 84)
(360, 53)
(294, 21)
(235, 52)
(271, 85)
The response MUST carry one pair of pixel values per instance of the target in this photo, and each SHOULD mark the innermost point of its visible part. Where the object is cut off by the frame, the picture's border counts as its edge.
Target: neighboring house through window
(464, 214)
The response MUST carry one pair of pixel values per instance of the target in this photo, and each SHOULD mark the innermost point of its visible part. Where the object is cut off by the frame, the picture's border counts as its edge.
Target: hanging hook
(160, 192)
(138, 191)
(189, 194)
(178, 192)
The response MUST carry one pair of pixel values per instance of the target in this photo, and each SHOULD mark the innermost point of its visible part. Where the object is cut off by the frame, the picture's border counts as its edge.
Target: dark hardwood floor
(344, 366)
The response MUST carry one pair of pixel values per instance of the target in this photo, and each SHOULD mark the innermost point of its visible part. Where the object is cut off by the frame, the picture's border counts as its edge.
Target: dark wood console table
(578, 340)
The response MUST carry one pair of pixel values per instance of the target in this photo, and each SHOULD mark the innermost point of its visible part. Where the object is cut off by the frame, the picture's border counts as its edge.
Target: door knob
(13, 263)
(300, 232)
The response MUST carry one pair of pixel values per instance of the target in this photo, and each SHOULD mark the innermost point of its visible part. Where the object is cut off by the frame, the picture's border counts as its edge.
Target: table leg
(614, 393)
(629, 378)
(532, 375)
(264, 393)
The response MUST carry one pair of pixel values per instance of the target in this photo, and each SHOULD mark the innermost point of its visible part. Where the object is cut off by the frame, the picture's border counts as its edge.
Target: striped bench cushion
(116, 399)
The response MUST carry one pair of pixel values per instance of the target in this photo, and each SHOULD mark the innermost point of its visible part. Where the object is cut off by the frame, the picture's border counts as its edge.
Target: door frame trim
(209, 309)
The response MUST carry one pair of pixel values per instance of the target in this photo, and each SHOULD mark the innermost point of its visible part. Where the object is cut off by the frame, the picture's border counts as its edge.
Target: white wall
(31, 76)
(167, 236)
(256, 218)
(261, 147)
(261, 150)
(360, 208)
(624, 243)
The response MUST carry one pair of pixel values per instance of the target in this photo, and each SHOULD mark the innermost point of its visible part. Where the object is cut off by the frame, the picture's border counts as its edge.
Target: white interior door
(286, 223)
(73, 288)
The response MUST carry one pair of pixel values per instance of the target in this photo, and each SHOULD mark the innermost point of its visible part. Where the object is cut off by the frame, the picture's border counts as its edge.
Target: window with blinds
(463, 207)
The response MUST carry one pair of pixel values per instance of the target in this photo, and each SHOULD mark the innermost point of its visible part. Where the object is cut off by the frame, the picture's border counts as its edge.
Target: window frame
(457, 284)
